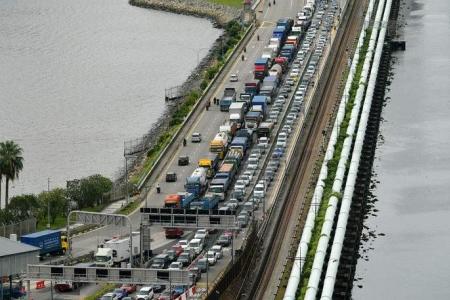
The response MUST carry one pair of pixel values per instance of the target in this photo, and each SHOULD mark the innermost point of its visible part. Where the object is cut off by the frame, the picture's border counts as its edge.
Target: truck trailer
(50, 242)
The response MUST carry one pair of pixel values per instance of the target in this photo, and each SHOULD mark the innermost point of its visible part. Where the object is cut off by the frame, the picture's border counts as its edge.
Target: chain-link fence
(20, 228)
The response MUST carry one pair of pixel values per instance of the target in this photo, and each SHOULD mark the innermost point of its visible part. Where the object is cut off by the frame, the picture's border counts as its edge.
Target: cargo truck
(229, 128)
(229, 96)
(116, 251)
(260, 100)
(210, 163)
(265, 129)
(276, 70)
(261, 68)
(234, 156)
(219, 144)
(269, 52)
(252, 119)
(282, 61)
(280, 32)
(219, 187)
(209, 201)
(237, 112)
(50, 242)
(252, 87)
(286, 22)
(246, 98)
(196, 183)
(240, 144)
(179, 200)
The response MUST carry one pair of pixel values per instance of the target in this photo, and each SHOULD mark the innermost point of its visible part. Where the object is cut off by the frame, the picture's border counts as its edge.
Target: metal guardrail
(195, 109)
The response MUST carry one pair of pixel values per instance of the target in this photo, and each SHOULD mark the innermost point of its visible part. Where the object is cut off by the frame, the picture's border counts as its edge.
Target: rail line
(310, 151)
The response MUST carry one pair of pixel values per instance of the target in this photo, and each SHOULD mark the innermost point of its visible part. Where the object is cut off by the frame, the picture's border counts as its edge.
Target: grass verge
(130, 207)
(332, 168)
(232, 3)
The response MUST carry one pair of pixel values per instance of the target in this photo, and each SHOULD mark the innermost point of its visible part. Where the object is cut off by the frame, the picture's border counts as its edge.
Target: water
(78, 78)
(412, 167)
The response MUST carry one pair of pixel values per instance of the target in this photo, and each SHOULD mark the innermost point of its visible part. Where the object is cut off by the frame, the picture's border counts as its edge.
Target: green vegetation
(129, 208)
(332, 168)
(11, 163)
(233, 3)
(103, 290)
(233, 33)
(90, 194)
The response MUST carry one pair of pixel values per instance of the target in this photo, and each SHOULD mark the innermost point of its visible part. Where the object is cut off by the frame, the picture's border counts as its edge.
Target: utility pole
(48, 203)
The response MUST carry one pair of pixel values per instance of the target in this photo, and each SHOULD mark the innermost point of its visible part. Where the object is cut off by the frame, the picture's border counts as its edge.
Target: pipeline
(333, 263)
(302, 250)
(325, 234)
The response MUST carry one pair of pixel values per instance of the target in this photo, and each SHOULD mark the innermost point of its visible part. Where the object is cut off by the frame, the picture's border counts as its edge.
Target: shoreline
(218, 14)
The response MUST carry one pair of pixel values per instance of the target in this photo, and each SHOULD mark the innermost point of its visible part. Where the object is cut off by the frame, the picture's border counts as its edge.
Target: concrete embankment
(219, 14)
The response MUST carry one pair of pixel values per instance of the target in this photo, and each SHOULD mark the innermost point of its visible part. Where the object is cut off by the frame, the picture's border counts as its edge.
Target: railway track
(310, 152)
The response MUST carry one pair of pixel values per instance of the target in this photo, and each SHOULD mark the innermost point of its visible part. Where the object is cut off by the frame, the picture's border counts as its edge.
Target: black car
(158, 288)
(184, 258)
(171, 177)
(183, 160)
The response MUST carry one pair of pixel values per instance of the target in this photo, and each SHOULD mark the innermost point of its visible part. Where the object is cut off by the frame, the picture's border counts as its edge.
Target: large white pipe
(299, 260)
(322, 246)
(333, 263)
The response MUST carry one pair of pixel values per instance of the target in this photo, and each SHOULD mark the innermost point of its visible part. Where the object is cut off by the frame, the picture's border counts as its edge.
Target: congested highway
(264, 164)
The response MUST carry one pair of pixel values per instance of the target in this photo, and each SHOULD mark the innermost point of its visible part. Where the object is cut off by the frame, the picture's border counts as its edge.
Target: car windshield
(184, 255)
(259, 188)
(101, 258)
(216, 189)
(142, 292)
(158, 261)
(193, 244)
(210, 255)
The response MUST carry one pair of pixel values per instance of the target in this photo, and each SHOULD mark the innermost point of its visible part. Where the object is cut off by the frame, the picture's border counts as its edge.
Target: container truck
(280, 32)
(269, 52)
(229, 96)
(116, 251)
(261, 68)
(246, 98)
(297, 31)
(50, 242)
(282, 61)
(286, 22)
(293, 40)
(229, 128)
(237, 112)
(265, 129)
(237, 119)
(234, 157)
(260, 100)
(210, 163)
(219, 144)
(196, 183)
(229, 168)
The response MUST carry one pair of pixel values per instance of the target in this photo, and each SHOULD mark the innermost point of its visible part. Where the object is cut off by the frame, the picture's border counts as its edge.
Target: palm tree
(11, 163)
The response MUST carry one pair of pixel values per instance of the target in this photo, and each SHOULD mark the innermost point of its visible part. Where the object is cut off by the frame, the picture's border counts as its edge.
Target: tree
(58, 204)
(24, 206)
(89, 192)
(11, 163)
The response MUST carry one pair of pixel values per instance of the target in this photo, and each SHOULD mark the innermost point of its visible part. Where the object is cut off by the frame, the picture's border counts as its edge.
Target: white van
(196, 245)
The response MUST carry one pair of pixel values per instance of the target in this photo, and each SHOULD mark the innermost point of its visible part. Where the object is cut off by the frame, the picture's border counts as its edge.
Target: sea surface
(409, 256)
(78, 78)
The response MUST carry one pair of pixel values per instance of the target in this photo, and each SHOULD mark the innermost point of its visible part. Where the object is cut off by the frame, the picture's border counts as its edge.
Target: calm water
(413, 168)
(77, 78)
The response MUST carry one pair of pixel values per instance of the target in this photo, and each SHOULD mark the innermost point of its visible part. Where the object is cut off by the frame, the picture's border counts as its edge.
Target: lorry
(280, 32)
(261, 68)
(209, 201)
(219, 187)
(229, 96)
(265, 129)
(50, 242)
(252, 87)
(240, 144)
(283, 62)
(117, 250)
(297, 31)
(293, 40)
(288, 51)
(179, 200)
(246, 98)
(261, 101)
(252, 119)
(234, 156)
(210, 163)
(196, 183)
(276, 71)
(219, 144)
(237, 112)
(269, 52)
(286, 22)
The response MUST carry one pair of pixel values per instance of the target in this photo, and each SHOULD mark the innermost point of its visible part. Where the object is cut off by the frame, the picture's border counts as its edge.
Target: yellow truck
(219, 144)
(210, 163)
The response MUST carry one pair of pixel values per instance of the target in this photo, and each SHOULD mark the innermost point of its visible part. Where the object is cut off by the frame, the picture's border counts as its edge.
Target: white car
(109, 296)
(211, 256)
(249, 174)
(183, 244)
(233, 204)
(252, 167)
(259, 191)
(196, 245)
(245, 179)
(176, 265)
(145, 293)
(201, 234)
(240, 185)
(218, 250)
(234, 78)
(196, 137)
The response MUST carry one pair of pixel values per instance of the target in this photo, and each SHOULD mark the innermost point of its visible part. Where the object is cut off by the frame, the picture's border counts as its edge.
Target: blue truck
(196, 183)
(286, 22)
(209, 201)
(261, 101)
(229, 96)
(288, 51)
(241, 144)
(280, 32)
(49, 241)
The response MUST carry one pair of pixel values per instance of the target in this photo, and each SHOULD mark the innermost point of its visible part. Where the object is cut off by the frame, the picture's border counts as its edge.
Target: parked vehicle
(171, 177)
(50, 242)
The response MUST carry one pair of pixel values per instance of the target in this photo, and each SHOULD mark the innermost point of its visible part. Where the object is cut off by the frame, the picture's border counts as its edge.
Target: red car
(129, 288)
(178, 249)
